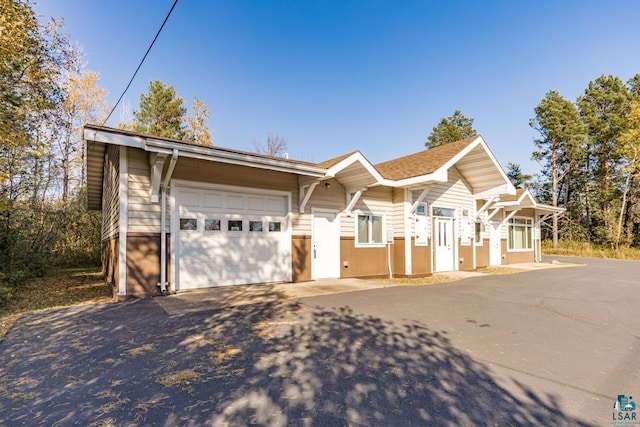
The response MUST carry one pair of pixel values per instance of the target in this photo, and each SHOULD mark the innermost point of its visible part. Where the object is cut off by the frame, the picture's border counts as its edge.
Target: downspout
(163, 223)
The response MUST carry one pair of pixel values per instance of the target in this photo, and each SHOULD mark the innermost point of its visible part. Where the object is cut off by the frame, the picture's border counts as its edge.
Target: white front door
(325, 251)
(444, 241)
(495, 245)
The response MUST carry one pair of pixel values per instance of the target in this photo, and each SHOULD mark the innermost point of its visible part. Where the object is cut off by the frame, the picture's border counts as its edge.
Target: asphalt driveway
(550, 347)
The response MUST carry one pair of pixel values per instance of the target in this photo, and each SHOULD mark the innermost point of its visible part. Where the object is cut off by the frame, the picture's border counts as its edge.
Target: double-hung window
(369, 230)
(520, 234)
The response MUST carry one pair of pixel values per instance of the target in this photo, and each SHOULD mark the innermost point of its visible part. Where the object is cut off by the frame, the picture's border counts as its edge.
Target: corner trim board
(123, 223)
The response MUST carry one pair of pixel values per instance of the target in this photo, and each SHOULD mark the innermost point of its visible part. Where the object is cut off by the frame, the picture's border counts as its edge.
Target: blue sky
(374, 76)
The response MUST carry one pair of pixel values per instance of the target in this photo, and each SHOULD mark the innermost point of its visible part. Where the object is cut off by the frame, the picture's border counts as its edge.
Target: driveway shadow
(273, 364)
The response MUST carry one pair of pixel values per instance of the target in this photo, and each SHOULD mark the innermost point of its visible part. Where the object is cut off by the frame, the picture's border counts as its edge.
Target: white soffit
(481, 170)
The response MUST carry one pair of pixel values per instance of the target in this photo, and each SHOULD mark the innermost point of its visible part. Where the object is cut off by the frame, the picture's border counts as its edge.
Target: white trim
(111, 136)
(355, 230)
(532, 232)
(408, 251)
(123, 223)
(420, 198)
(305, 196)
(335, 212)
(352, 200)
(173, 230)
(351, 159)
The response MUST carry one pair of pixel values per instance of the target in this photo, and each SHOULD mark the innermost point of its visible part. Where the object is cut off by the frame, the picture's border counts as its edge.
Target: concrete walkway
(233, 296)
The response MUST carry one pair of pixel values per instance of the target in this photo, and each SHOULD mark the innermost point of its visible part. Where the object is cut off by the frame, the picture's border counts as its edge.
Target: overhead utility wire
(141, 62)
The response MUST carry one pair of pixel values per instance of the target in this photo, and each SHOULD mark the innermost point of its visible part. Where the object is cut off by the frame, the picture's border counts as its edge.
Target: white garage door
(231, 238)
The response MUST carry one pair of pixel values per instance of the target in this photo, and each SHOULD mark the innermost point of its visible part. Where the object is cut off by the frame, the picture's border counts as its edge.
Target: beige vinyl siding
(110, 196)
(376, 200)
(482, 218)
(332, 197)
(397, 212)
(143, 216)
(452, 194)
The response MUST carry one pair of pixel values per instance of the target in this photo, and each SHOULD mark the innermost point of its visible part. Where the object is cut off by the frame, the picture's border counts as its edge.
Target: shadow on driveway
(275, 363)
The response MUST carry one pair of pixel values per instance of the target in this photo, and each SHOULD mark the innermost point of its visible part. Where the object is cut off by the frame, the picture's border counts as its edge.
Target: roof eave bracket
(352, 199)
(305, 194)
(156, 161)
(420, 198)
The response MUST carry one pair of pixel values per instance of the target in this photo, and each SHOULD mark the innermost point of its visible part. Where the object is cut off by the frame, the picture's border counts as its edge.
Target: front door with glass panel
(444, 244)
(325, 252)
(495, 244)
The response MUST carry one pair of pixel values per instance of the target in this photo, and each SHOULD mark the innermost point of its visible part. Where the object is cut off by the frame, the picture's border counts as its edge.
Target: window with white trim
(369, 230)
(520, 234)
(478, 232)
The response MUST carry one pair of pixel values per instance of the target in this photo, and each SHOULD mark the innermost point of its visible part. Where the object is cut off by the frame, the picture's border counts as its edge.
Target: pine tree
(450, 129)
(162, 112)
(561, 132)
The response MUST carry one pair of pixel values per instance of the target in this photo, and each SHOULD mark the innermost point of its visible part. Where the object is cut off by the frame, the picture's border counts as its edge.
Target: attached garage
(229, 236)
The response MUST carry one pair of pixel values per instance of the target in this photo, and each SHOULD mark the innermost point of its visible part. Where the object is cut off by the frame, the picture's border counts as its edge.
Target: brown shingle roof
(328, 163)
(423, 162)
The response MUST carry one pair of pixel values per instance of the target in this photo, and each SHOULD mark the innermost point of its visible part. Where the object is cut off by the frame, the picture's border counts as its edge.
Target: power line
(141, 62)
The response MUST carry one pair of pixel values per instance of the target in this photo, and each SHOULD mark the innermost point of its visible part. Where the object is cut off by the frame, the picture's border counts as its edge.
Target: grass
(500, 270)
(77, 286)
(420, 281)
(590, 250)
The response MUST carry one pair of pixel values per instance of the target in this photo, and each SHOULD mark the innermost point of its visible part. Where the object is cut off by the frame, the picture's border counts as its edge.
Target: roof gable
(423, 162)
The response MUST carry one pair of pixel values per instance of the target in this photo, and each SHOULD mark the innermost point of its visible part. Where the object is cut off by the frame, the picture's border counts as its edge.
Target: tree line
(589, 153)
(589, 150)
(46, 96)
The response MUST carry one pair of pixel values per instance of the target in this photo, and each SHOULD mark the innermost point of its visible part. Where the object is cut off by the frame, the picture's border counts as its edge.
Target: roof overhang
(526, 201)
(355, 172)
(478, 166)
(98, 137)
(481, 170)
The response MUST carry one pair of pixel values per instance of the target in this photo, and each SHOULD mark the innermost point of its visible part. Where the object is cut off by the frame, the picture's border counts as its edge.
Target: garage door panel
(235, 202)
(209, 257)
(214, 200)
(189, 198)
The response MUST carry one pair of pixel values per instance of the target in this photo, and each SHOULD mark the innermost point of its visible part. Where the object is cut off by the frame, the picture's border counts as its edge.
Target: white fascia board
(114, 138)
(440, 175)
(203, 153)
(212, 154)
(355, 157)
(549, 208)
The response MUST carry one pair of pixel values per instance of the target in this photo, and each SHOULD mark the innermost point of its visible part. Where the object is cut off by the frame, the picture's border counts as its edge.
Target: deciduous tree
(274, 145)
(198, 130)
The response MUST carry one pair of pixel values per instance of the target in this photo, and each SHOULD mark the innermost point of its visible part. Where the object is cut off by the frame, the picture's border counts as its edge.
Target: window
(234, 225)
(446, 212)
(275, 226)
(478, 233)
(520, 234)
(369, 230)
(188, 224)
(255, 225)
(212, 225)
